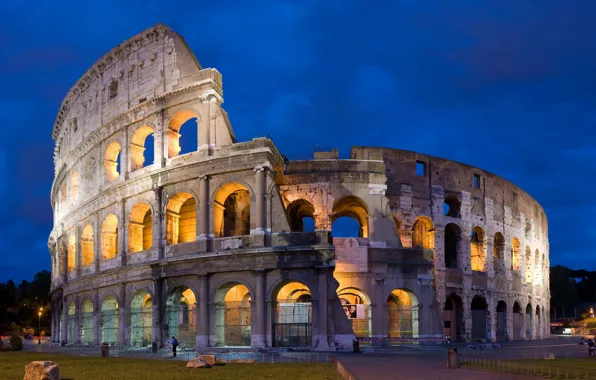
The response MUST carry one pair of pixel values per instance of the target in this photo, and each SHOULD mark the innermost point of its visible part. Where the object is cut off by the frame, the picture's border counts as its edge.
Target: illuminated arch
(111, 161)
(515, 254)
(181, 218)
(109, 320)
(499, 252)
(176, 122)
(71, 251)
(137, 147)
(87, 329)
(87, 246)
(140, 228)
(402, 314)
(141, 319)
(478, 250)
(231, 210)
(352, 207)
(292, 317)
(109, 237)
(350, 298)
(232, 315)
(71, 323)
(181, 315)
(423, 233)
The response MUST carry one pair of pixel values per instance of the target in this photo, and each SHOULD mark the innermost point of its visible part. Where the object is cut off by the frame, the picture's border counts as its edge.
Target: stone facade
(211, 246)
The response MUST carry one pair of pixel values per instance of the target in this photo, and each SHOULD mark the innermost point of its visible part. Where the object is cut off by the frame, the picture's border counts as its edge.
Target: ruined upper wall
(454, 177)
(151, 63)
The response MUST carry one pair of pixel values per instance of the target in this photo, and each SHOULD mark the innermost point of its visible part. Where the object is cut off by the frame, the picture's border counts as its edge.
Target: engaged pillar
(202, 323)
(258, 323)
(204, 208)
(260, 220)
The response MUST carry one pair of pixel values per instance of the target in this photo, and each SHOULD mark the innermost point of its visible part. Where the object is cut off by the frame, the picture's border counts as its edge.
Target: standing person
(174, 345)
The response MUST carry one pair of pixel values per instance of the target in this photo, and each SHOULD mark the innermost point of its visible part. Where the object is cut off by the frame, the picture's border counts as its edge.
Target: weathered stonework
(210, 245)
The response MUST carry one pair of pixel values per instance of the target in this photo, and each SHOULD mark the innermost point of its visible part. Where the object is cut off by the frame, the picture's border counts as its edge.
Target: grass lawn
(12, 366)
(563, 368)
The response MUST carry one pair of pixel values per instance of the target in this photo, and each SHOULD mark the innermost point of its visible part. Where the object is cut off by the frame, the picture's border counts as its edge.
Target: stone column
(52, 321)
(260, 220)
(122, 232)
(122, 316)
(379, 312)
(429, 322)
(439, 250)
(156, 330)
(203, 313)
(467, 317)
(322, 341)
(96, 319)
(489, 262)
(464, 259)
(258, 323)
(125, 160)
(406, 238)
(203, 218)
(203, 135)
(96, 241)
(64, 327)
(77, 337)
(158, 230)
(160, 141)
(492, 319)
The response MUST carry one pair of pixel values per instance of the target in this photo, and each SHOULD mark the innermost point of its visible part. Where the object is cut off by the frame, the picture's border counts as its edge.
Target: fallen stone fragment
(42, 371)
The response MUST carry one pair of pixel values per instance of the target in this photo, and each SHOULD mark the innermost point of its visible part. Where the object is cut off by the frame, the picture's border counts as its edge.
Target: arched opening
(87, 322)
(87, 246)
(71, 251)
(499, 253)
(231, 211)
(518, 323)
(181, 219)
(515, 254)
(182, 122)
(109, 320)
(349, 207)
(529, 272)
(74, 188)
(109, 237)
(232, 315)
(111, 162)
(453, 315)
(479, 318)
(423, 235)
(451, 206)
(356, 305)
(301, 216)
(402, 314)
(72, 323)
(292, 326)
(501, 320)
(452, 240)
(528, 321)
(142, 140)
(477, 250)
(181, 314)
(140, 228)
(141, 319)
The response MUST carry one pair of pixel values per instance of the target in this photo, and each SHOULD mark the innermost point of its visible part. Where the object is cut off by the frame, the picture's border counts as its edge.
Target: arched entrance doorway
(141, 319)
(181, 317)
(538, 322)
(232, 315)
(87, 322)
(356, 305)
(402, 314)
(109, 320)
(453, 317)
(479, 311)
(292, 326)
(501, 332)
(517, 321)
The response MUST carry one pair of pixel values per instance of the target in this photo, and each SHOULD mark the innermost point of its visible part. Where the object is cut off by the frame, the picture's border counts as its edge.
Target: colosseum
(231, 244)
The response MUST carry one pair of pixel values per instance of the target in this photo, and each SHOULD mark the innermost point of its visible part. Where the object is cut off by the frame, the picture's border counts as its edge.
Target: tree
(563, 292)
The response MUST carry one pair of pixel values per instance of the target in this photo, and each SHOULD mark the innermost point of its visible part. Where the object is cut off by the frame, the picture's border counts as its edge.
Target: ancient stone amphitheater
(232, 244)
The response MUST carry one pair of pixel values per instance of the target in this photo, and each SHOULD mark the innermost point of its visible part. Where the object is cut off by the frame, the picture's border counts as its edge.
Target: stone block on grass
(42, 371)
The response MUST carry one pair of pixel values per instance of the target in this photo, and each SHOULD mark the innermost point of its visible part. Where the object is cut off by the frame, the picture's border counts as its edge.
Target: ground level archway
(109, 320)
(402, 314)
(87, 330)
(479, 318)
(232, 315)
(141, 319)
(501, 332)
(181, 316)
(356, 306)
(292, 326)
(453, 317)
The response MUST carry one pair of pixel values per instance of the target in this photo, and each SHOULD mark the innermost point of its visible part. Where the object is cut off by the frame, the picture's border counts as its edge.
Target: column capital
(205, 177)
(263, 167)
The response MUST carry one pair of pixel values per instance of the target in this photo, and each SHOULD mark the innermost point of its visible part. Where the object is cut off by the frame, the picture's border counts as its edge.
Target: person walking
(174, 345)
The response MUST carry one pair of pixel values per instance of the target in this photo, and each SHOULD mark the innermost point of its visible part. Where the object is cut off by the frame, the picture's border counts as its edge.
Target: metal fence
(403, 341)
(538, 368)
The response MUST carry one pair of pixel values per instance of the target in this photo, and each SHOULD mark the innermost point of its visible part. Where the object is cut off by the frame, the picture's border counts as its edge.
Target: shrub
(16, 343)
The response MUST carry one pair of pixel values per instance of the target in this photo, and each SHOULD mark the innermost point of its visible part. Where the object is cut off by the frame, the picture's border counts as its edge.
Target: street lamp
(39, 326)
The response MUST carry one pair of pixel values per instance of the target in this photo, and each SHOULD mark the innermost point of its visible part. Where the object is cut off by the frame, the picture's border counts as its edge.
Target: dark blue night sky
(509, 88)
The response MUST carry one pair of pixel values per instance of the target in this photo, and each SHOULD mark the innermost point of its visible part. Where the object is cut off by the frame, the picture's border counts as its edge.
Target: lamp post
(39, 326)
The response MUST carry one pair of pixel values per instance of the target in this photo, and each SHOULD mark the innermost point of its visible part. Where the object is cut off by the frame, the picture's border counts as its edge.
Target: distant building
(210, 246)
